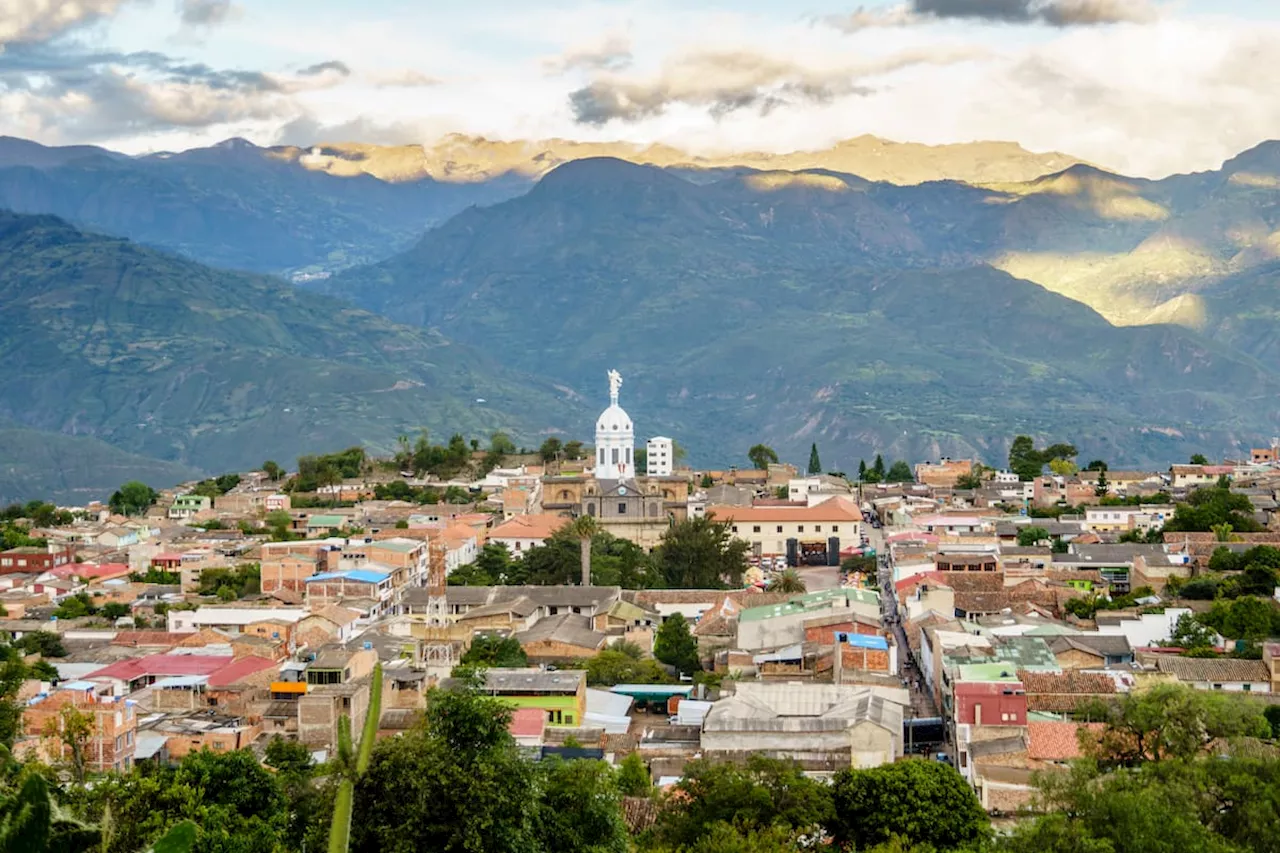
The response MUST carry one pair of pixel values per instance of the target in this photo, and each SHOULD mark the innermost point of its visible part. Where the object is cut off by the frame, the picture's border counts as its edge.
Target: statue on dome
(615, 382)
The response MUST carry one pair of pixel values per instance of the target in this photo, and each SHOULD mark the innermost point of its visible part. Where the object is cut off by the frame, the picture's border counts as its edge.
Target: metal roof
(357, 575)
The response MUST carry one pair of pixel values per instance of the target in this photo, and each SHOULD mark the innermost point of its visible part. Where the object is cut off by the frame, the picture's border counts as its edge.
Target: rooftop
(518, 680)
(357, 575)
(827, 598)
(833, 510)
(1214, 669)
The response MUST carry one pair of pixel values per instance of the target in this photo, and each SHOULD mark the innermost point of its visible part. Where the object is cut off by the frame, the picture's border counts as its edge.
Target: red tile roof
(836, 509)
(527, 722)
(91, 570)
(238, 669)
(162, 666)
(936, 578)
(537, 526)
(1057, 741)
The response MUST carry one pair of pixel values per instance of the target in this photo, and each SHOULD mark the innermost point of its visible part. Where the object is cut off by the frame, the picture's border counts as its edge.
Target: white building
(615, 438)
(660, 456)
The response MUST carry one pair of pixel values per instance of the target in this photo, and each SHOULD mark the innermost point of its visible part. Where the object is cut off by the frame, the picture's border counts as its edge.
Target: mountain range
(940, 302)
(178, 367)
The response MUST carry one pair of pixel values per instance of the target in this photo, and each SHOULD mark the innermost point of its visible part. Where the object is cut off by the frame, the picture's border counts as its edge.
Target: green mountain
(72, 470)
(232, 205)
(171, 360)
(799, 307)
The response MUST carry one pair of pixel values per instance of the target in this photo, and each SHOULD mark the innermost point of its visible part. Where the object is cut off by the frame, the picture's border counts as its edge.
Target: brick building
(113, 732)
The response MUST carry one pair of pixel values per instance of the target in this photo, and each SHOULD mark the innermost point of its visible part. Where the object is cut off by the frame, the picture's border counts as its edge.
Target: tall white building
(660, 455)
(615, 438)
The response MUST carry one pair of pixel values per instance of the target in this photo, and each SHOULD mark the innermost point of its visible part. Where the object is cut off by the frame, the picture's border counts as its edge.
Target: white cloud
(40, 20)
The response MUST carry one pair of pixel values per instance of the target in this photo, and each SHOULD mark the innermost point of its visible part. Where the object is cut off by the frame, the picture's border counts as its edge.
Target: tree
(1189, 633)
(573, 450)
(491, 650)
(762, 456)
(610, 667)
(815, 464)
(1097, 465)
(501, 444)
(1208, 507)
(765, 794)
(288, 756)
(675, 645)
(700, 553)
(551, 450)
(580, 809)
(44, 643)
(789, 581)
(1028, 462)
(1030, 536)
(862, 470)
(74, 729)
(133, 498)
(1246, 618)
(584, 528)
(1199, 459)
(877, 470)
(1063, 467)
(900, 472)
(114, 610)
(633, 776)
(919, 802)
(972, 480)
(1171, 722)
(1101, 489)
(272, 470)
(31, 822)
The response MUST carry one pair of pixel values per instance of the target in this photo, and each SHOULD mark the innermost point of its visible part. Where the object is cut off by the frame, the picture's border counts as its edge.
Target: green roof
(997, 671)
(326, 521)
(1012, 653)
(392, 545)
(811, 602)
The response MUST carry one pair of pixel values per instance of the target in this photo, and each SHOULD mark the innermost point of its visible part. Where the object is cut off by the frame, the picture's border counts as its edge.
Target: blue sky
(1145, 86)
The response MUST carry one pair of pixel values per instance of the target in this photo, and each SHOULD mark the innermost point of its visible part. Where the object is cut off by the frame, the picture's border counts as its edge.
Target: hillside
(233, 205)
(799, 307)
(310, 211)
(171, 360)
(72, 470)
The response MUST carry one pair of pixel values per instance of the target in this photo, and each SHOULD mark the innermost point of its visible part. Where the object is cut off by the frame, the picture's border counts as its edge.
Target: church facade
(630, 506)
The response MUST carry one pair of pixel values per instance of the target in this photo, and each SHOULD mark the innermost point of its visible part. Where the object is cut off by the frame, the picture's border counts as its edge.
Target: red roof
(1055, 741)
(168, 558)
(162, 666)
(242, 668)
(527, 722)
(149, 638)
(91, 570)
(924, 577)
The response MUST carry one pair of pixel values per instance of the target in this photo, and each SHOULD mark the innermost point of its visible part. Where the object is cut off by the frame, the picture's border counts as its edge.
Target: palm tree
(789, 581)
(585, 528)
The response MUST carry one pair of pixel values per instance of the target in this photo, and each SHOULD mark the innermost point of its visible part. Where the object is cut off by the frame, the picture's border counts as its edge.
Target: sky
(1146, 87)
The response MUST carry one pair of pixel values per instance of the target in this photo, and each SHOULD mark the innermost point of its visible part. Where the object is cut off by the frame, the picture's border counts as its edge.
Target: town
(992, 624)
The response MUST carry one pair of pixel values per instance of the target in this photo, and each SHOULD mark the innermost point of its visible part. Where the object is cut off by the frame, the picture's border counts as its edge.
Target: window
(1217, 687)
(779, 528)
(754, 529)
(622, 508)
(217, 744)
(615, 456)
(1248, 688)
(800, 529)
(817, 528)
(835, 528)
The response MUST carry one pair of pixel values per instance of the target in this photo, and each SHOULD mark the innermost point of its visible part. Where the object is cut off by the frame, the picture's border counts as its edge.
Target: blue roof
(863, 641)
(359, 575)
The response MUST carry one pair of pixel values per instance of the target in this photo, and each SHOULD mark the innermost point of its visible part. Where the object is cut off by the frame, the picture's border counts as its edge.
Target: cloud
(1055, 13)
(406, 78)
(333, 65)
(727, 81)
(41, 20)
(612, 53)
(206, 13)
(307, 130)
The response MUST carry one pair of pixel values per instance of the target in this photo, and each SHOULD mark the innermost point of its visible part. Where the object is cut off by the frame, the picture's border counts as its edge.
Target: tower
(437, 647)
(615, 438)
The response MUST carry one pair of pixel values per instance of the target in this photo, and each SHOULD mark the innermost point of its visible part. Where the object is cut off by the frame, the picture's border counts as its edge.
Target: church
(624, 502)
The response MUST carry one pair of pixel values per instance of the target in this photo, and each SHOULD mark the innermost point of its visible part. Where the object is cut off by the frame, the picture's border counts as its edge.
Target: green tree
(1097, 465)
(491, 650)
(1199, 459)
(1029, 536)
(633, 777)
(455, 783)
(31, 822)
(788, 581)
(1189, 633)
(113, 610)
(288, 756)
(765, 794)
(919, 802)
(762, 456)
(272, 470)
(580, 809)
(1101, 489)
(900, 472)
(584, 528)
(676, 646)
(44, 643)
(133, 498)
(551, 450)
(862, 470)
(700, 553)
(878, 472)
(573, 450)
(1028, 462)
(815, 464)
(610, 667)
(1063, 467)
(1210, 507)
(501, 444)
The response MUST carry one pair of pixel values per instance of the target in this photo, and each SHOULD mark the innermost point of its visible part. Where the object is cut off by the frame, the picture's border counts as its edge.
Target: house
(230, 620)
(117, 538)
(110, 745)
(774, 625)
(560, 695)
(1119, 519)
(1090, 651)
(528, 727)
(34, 560)
(1000, 701)
(369, 583)
(318, 525)
(1248, 676)
(822, 726)
(562, 637)
(1190, 476)
(769, 529)
(523, 532)
(189, 506)
(130, 674)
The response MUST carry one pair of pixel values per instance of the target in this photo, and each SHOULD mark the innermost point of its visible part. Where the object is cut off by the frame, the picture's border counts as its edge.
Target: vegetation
(133, 498)
(815, 464)
(491, 650)
(230, 584)
(1028, 462)
(788, 581)
(1209, 507)
(676, 646)
(762, 456)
